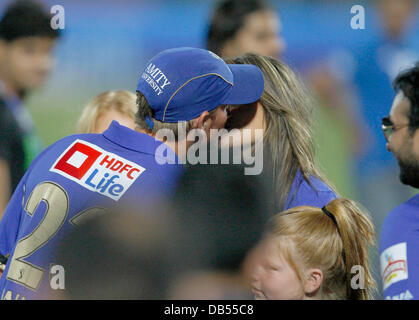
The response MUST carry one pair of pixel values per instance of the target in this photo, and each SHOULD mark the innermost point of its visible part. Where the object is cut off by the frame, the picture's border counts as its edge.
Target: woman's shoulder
(316, 193)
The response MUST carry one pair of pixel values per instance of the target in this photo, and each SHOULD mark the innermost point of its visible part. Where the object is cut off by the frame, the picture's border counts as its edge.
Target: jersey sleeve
(318, 194)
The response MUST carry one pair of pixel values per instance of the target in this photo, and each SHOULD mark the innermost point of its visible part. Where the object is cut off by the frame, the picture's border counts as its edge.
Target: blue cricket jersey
(67, 183)
(302, 194)
(399, 252)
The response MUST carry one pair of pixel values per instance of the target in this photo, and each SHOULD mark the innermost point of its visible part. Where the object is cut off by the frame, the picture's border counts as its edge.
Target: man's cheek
(32, 74)
(273, 292)
(223, 121)
(24, 67)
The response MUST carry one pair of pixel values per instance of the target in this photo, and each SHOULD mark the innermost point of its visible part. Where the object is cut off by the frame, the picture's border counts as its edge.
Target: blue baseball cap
(181, 83)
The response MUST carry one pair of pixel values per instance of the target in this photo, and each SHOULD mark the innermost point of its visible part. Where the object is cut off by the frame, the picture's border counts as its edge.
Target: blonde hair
(144, 110)
(121, 100)
(287, 109)
(309, 238)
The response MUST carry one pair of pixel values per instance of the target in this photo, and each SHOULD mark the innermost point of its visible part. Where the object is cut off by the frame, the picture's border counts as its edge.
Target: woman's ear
(416, 143)
(228, 49)
(313, 281)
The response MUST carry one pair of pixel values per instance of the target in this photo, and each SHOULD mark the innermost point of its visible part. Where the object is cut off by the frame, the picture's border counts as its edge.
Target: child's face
(274, 278)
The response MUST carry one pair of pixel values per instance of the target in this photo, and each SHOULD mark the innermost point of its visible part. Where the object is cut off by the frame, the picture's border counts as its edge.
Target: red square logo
(85, 157)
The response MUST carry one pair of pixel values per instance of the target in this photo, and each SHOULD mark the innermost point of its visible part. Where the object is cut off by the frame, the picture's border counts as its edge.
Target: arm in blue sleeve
(9, 225)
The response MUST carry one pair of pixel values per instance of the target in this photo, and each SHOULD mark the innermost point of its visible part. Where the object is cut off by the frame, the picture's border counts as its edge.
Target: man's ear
(313, 281)
(200, 121)
(415, 139)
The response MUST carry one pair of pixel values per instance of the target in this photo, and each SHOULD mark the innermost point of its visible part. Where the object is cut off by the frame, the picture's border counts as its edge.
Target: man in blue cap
(69, 180)
(27, 44)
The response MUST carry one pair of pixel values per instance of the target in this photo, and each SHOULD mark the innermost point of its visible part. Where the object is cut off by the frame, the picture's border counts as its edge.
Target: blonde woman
(309, 253)
(284, 114)
(119, 105)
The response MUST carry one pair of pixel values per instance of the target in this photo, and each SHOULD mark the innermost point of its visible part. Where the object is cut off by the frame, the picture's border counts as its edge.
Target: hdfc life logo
(96, 169)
